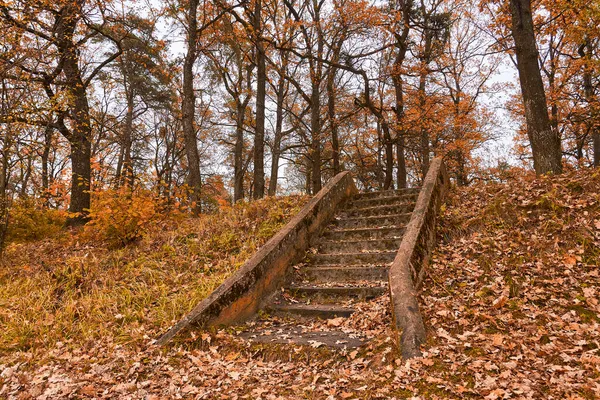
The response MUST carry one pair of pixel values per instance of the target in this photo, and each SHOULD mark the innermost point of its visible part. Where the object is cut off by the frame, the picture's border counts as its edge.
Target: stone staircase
(347, 268)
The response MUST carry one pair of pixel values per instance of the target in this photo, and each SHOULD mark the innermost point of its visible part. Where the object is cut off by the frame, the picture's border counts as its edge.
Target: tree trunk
(26, 177)
(277, 138)
(308, 184)
(545, 142)
(261, 92)
(585, 51)
(335, 145)
(596, 143)
(315, 128)
(238, 155)
(80, 135)
(188, 110)
(379, 171)
(401, 172)
(402, 45)
(127, 177)
(389, 155)
(45, 160)
(4, 165)
(81, 150)
(424, 134)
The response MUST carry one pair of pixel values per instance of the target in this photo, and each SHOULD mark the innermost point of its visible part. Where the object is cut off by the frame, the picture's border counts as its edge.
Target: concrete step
(377, 258)
(324, 311)
(386, 232)
(386, 193)
(339, 273)
(380, 201)
(371, 222)
(300, 336)
(336, 292)
(353, 246)
(382, 210)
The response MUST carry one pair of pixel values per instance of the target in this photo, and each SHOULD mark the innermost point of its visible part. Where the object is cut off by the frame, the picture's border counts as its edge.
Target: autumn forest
(201, 102)
(149, 148)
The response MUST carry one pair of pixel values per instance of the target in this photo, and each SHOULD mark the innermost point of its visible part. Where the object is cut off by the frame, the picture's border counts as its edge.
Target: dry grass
(72, 290)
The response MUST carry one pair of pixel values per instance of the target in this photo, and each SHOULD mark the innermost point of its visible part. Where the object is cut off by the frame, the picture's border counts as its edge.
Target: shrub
(122, 216)
(28, 221)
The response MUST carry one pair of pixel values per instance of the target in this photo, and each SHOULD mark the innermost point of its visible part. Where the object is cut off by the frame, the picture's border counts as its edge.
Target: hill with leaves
(82, 286)
(511, 305)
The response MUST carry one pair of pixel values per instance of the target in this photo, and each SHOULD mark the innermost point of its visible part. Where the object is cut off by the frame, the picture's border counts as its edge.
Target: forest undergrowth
(510, 303)
(131, 272)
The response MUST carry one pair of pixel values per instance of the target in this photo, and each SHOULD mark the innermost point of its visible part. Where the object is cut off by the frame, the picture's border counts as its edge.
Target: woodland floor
(511, 304)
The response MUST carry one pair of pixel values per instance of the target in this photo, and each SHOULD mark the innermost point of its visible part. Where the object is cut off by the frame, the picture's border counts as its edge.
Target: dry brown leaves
(511, 305)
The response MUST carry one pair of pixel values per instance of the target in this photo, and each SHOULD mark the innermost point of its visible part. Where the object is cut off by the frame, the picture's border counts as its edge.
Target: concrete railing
(242, 294)
(410, 265)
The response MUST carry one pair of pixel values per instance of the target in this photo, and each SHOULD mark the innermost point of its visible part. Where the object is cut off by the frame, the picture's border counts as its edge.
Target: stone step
(339, 273)
(376, 211)
(377, 258)
(313, 291)
(299, 336)
(386, 193)
(386, 232)
(380, 201)
(372, 222)
(352, 246)
(324, 311)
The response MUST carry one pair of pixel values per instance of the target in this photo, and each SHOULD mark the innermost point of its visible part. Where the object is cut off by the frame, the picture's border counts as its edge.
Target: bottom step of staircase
(324, 311)
(295, 335)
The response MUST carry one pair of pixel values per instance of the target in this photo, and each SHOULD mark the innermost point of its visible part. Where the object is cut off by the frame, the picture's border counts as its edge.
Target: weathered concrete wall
(409, 266)
(242, 294)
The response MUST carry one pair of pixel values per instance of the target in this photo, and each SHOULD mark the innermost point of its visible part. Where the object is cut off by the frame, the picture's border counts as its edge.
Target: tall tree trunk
(315, 128)
(188, 109)
(119, 167)
(4, 174)
(596, 143)
(424, 133)
(545, 142)
(401, 171)
(127, 177)
(26, 177)
(402, 45)
(389, 155)
(308, 184)
(79, 136)
(238, 154)
(261, 93)
(335, 144)
(45, 160)
(278, 136)
(379, 171)
(585, 51)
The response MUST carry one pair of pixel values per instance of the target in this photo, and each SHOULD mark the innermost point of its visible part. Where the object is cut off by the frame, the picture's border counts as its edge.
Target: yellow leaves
(569, 260)
(428, 362)
(497, 340)
(335, 322)
(500, 302)
(88, 390)
(122, 216)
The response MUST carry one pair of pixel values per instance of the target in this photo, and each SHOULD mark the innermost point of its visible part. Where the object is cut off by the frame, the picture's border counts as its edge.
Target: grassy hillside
(512, 299)
(73, 287)
(511, 305)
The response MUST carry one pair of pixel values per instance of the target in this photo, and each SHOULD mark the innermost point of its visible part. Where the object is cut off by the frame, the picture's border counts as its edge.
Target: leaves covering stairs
(341, 275)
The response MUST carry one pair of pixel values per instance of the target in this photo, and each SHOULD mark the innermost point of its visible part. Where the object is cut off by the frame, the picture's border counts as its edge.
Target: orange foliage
(122, 216)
